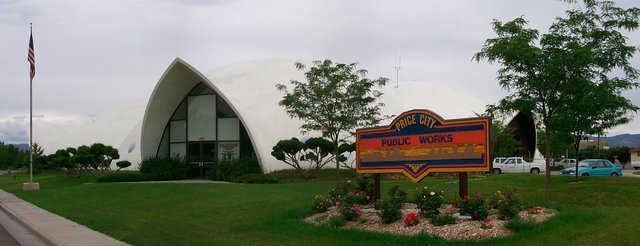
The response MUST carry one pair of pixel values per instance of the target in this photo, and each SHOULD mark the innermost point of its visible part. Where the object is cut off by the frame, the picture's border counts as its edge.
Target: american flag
(32, 56)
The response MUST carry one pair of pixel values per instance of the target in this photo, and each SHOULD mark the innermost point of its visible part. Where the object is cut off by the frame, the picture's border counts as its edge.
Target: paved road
(6, 239)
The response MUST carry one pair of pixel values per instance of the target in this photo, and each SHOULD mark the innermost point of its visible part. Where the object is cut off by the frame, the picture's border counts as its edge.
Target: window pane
(201, 89)
(181, 111)
(163, 149)
(178, 131)
(194, 152)
(208, 152)
(178, 149)
(229, 129)
(224, 111)
(202, 118)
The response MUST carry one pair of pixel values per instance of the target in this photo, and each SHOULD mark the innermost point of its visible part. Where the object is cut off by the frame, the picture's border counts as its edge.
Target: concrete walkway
(48, 228)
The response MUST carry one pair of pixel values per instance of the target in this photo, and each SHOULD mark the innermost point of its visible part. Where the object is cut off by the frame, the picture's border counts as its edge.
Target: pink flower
(337, 203)
(368, 198)
(357, 205)
(465, 197)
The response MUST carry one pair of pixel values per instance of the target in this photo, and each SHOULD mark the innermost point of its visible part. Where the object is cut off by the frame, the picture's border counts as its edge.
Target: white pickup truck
(517, 165)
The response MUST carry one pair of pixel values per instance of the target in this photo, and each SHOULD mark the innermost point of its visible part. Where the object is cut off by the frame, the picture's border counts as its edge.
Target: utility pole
(397, 67)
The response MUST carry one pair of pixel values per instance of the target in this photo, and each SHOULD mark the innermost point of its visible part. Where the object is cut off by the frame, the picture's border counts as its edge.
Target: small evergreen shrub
(319, 204)
(388, 211)
(123, 164)
(336, 221)
(397, 195)
(429, 202)
(443, 219)
(229, 170)
(165, 168)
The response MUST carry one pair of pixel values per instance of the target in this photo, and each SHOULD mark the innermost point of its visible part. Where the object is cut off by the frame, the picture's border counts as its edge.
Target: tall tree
(335, 99)
(541, 72)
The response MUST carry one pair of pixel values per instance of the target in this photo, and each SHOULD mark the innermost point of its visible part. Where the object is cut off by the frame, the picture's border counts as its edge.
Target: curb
(50, 228)
(31, 228)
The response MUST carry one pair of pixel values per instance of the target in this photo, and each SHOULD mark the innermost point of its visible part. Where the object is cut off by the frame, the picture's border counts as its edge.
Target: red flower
(357, 205)
(537, 208)
(415, 198)
(465, 197)
(475, 214)
(486, 221)
(528, 210)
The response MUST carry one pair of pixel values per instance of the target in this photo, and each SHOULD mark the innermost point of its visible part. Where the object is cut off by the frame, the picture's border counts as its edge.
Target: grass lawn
(597, 211)
(636, 173)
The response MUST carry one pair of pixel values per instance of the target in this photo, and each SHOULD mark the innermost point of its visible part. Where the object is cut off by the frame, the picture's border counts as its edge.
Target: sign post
(419, 142)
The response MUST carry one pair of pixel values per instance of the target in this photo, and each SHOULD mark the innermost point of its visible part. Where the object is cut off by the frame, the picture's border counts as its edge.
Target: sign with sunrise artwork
(419, 142)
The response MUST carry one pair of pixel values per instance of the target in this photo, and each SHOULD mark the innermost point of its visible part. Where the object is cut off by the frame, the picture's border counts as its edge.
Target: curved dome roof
(250, 89)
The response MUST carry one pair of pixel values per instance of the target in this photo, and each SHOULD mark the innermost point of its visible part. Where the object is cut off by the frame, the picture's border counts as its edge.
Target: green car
(593, 167)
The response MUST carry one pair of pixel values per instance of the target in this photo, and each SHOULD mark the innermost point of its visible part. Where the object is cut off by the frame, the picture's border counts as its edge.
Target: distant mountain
(24, 147)
(629, 140)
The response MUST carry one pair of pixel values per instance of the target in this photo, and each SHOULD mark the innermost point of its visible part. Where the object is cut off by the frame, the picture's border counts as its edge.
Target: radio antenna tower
(397, 67)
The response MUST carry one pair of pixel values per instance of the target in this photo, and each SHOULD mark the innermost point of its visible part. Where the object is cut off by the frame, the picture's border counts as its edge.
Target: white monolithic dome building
(234, 112)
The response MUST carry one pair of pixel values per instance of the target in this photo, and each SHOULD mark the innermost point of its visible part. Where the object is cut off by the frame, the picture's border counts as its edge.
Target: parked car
(635, 165)
(499, 160)
(518, 165)
(565, 163)
(593, 167)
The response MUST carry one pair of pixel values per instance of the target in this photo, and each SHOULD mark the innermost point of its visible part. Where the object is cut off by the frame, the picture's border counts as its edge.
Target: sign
(419, 142)
(228, 150)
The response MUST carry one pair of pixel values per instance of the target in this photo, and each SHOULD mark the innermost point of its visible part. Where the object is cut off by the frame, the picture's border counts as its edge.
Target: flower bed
(480, 219)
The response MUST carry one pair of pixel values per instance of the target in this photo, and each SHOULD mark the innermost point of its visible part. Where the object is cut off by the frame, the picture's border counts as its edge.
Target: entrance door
(201, 155)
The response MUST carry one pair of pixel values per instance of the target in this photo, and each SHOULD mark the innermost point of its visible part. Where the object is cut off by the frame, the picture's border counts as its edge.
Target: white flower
(425, 188)
(432, 193)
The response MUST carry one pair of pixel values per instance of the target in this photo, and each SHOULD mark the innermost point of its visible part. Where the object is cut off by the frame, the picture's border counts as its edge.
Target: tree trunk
(547, 140)
(576, 146)
(335, 152)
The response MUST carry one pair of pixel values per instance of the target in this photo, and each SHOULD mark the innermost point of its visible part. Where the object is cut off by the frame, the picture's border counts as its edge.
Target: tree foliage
(548, 74)
(335, 99)
(306, 157)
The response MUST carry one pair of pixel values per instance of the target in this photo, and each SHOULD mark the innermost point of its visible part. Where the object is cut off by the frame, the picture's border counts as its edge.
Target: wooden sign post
(419, 142)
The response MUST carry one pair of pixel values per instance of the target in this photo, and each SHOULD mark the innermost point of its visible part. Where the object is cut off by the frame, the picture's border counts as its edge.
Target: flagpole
(30, 120)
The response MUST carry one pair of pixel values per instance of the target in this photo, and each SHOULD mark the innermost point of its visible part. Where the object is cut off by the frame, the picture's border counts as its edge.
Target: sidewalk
(49, 227)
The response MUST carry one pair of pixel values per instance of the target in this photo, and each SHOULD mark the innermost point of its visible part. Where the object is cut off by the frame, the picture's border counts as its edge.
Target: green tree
(504, 144)
(542, 72)
(305, 157)
(335, 99)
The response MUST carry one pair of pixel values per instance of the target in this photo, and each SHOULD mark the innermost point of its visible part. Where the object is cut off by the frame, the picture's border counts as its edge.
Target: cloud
(92, 55)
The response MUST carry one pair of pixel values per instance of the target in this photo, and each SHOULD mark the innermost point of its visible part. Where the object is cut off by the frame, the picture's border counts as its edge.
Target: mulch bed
(464, 229)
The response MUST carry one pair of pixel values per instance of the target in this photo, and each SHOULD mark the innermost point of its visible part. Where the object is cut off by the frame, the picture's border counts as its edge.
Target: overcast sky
(93, 55)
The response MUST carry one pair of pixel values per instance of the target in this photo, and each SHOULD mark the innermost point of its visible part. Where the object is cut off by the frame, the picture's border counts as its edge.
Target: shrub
(229, 170)
(411, 220)
(165, 168)
(123, 164)
(336, 221)
(429, 202)
(520, 224)
(365, 184)
(388, 211)
(509, 203)
(486, 224)
(256, 178)
(443, 219)
(397, 195)
(475, 206)
(127, 176)
(350, 212)
(338, 192)
(319, 204)
(351, 193)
